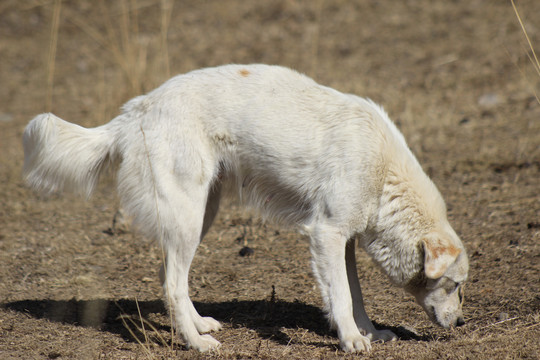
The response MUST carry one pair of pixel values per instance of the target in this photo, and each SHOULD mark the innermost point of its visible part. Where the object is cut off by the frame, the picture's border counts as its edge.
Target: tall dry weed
(53, 45)
(532, 56)
(523, 142)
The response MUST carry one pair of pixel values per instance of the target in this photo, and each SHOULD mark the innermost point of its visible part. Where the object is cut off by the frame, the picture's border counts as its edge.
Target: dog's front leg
(328, 251)
(360, 316)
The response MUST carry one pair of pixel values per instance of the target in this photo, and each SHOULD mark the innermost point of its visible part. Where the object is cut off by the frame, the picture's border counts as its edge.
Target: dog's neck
(401, 260)
(406, 213)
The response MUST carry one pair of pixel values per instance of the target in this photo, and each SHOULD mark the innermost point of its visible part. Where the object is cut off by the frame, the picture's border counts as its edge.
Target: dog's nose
(460, 321)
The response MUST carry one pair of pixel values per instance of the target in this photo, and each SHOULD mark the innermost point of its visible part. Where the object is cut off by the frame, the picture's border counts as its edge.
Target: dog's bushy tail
(62, 156)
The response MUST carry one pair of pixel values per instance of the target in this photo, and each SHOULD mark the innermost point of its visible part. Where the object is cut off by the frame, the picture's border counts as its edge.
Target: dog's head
(439, 287)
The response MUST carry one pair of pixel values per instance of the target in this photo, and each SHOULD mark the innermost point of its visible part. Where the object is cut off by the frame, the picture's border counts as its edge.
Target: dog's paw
(382, 335)
(355, 343)
(207, 324)
(204, 343)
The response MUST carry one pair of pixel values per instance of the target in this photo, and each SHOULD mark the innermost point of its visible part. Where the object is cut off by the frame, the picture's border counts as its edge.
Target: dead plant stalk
(53, 44)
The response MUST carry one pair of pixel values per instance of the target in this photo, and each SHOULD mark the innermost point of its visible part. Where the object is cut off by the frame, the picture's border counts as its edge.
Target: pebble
(246, 251)
(489, 100)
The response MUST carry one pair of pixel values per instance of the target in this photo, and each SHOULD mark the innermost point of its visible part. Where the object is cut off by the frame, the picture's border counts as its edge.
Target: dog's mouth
(432, 314)
(459, 320)
(443, 319)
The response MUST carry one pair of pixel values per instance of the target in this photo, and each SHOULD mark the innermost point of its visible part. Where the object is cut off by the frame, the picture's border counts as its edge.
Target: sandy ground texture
(455, 76)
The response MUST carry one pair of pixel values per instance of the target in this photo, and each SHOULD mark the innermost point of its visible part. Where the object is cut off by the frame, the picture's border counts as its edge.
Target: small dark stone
(246, 251)
(464, 121)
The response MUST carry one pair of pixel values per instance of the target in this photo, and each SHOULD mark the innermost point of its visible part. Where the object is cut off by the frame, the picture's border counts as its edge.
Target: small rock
(246, 251)
(489, 100)
(503, 316)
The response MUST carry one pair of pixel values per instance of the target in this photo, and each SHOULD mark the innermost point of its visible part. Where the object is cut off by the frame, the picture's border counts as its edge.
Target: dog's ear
(439, 254)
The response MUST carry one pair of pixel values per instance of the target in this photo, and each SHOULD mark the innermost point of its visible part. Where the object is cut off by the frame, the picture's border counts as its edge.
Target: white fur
(331, 164)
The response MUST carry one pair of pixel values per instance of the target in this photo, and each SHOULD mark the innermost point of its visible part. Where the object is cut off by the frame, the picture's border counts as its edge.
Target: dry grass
(52, 54)
(534, 59)
(427, 63)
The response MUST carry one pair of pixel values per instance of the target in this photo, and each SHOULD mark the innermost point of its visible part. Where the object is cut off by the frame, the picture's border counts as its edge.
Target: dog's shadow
(123, 317)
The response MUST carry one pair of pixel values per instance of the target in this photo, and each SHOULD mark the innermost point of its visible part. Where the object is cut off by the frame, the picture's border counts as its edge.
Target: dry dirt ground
(454, 75)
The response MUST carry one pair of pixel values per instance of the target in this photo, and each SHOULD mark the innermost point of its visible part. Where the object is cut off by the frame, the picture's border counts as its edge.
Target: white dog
(331, 164)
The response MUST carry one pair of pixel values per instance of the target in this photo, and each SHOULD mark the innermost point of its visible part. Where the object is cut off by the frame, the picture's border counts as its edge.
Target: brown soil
(454, 75)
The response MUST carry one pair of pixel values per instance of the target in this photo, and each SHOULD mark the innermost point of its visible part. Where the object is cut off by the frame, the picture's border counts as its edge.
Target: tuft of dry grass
(137, 325)
(142, 58)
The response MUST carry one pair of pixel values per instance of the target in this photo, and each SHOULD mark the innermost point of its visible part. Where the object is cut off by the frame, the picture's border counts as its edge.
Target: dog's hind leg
(212, 207)
(206, 323)
(360, 317)
(182, 212)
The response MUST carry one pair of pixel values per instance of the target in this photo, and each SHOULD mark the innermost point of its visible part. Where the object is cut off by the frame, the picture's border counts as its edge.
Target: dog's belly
(271, 197)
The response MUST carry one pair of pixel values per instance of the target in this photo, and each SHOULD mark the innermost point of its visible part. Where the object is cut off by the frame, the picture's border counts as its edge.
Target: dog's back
(270, 134)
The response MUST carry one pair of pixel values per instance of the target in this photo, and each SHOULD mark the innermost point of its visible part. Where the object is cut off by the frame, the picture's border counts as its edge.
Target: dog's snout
(460, 321)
